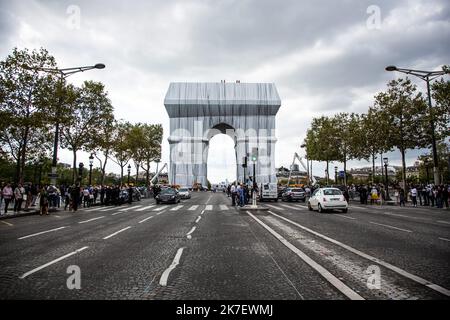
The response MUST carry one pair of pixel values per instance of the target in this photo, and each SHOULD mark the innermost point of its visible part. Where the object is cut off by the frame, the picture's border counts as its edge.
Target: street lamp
(80, 172)
(91, 162)
(386, 161)
(335, 175)
(63, 74)
(427, 76)
(129, 171)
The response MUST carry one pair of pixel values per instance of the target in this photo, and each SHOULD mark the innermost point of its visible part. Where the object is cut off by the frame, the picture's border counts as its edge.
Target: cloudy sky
(324, 56)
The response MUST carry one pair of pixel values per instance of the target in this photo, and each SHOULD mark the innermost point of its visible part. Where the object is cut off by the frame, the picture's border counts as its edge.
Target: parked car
(168, 195)
(184, 193)
(294, 194)
(123, 196)
(327, 199)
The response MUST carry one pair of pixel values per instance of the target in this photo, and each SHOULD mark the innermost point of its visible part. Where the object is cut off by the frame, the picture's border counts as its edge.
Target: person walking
(233, 195)
(7, 194)
(18, 197)
(414, 196)
(75, 196)
(241, 195)
(43, 202)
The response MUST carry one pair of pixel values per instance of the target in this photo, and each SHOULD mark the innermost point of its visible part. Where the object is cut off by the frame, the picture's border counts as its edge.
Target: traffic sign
(341, 174)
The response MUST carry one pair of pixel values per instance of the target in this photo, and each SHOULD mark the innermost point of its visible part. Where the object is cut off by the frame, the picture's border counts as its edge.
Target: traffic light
(244, 165)
(254, 154)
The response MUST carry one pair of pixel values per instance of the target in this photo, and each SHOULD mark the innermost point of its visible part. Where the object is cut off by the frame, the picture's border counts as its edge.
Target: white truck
(268, 191)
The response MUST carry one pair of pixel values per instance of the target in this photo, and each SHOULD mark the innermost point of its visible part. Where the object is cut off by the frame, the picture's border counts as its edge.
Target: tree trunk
(381, 162)
(328, 173)
(148, 174)
(121, 173)
(403, 170)
(18, 167)
(104, 168)
(137, 172)
(23, 156)
(74, 173)
(345, 171)
(373, 166)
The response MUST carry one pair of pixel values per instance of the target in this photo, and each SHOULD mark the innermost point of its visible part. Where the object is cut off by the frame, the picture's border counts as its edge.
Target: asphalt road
(205, 249)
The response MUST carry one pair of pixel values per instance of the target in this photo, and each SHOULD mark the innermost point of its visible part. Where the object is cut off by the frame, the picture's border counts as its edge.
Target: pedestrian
(445, 195)
(18, 197)
(414, 196)
(7, 194)
(241, 195)
(75, 196)
(233, 195)
(402, 197)
(130, 195)
(346, 195)
(43, 202)
(373, 195)
(67, 198)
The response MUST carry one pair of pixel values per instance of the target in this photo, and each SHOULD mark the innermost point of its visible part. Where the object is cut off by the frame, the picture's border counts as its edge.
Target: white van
(268, 191)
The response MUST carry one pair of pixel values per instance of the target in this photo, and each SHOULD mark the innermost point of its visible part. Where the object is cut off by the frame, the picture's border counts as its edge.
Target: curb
(24, 214)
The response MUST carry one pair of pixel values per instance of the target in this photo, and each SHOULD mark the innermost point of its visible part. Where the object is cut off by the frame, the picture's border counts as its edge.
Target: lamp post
(427, 76)
(91, 162)
(129, 171)
(335, 175)
(63, 74)
(386, 161)
(80, 172)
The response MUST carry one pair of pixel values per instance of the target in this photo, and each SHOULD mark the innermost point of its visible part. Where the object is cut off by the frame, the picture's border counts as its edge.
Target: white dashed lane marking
(177, 208)
(192, 208)
(39, 233)
(209, 207)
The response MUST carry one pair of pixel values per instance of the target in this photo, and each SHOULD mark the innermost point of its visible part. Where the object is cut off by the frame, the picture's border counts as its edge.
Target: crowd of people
(23, 197)
(240, 194)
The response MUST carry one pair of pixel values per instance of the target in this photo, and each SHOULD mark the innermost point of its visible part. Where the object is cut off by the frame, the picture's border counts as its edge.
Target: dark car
(294, 194)
(124, 197)
(168, 195)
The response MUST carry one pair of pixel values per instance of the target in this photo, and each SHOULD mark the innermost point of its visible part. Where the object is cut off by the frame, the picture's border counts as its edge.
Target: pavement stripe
(192, 208)
(166, 273)
(159, 209)
(145, 208)
(107, 209)
(198, 219)
(93, 219)
(188, 235)
(445, 239)
(146, 219)
(209, 207)
(51, 262)
(115, 233)
(177, 208)
(343, 216)
(223, 207)
(338, 284)
(7, 223)
(274, 207)
(440, 221)
(291, 207)
(388, 226)
(398, 270)
(39, 233)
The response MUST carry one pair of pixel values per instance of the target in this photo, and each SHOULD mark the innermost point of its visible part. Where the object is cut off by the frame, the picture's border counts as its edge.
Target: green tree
(24, 97)
(405, 110)
(85, 114)
(121, 150)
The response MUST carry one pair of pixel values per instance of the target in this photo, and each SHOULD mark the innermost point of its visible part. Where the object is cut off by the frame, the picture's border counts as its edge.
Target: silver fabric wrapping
(198, 111)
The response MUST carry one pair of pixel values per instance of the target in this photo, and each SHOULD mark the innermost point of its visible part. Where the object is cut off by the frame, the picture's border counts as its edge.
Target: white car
(327, 199)
(184, 193)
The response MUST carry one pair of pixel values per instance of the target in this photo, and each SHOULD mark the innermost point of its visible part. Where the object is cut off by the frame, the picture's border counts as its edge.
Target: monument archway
(198, 111)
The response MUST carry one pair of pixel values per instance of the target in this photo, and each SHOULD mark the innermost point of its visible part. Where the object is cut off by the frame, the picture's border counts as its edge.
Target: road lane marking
(159, 209)
(274, 207)
(291, 207)
(166, 273)
(177, 208)
(146, 219)
(107, 209)
(338, 284)
(192, 208)
(445, 239)
(93, 219)
(441, 221)
(115, 233)
(198, 219)
(223, 207)
(51, 262)
(398, 270)
(124, 209)
(188, 235)
(145, 208)
(203, 211)
(7, 223)
(209, 207)
(343, 216)
(39, 233)
(388, 226)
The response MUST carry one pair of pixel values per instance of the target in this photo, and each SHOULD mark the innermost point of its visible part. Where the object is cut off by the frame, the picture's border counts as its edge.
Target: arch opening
(221, 162)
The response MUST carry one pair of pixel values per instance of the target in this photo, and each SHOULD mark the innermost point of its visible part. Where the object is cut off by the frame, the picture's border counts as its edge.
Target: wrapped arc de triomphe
(198, 111)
